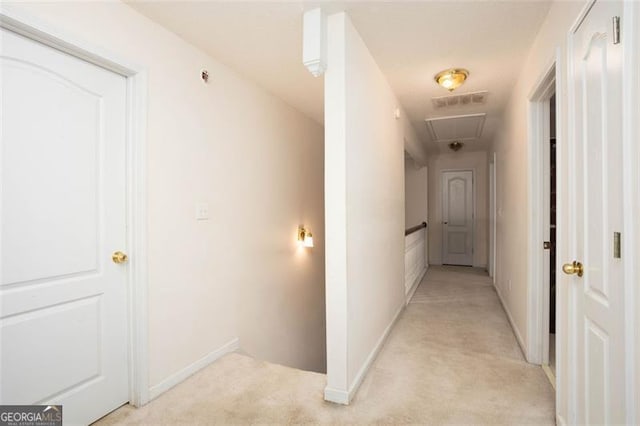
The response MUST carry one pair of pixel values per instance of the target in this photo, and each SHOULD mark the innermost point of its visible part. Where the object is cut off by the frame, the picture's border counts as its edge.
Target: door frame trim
(31, 27)
(550, 81)
(493, 212)
(538, 300)
(473, 213)
(631, 190)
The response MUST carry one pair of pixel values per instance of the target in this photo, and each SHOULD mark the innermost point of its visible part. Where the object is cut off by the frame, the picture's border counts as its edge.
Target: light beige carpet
(451, 359)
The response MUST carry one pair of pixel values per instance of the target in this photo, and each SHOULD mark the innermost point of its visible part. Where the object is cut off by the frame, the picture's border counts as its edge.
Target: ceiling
(410, 40)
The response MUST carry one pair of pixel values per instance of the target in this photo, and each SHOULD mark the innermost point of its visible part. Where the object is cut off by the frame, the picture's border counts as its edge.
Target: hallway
(451, 358)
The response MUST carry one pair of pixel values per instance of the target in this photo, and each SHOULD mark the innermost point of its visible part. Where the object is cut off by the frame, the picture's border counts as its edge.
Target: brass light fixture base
(305, 237)
(302, 232)
(452, 78)
(455, 146)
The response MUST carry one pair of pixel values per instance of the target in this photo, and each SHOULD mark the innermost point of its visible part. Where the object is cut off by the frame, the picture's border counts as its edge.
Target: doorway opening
(550, 157)
(543, 231)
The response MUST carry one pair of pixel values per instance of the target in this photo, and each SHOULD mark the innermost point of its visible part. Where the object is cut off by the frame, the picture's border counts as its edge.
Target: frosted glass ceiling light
(451, 79)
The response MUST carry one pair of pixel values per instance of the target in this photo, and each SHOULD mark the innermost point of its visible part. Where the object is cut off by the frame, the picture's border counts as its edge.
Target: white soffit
(456, 128)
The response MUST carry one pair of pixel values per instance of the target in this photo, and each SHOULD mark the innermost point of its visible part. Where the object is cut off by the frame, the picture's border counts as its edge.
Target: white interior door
(597, 345)
(457, 217)
(63, 310)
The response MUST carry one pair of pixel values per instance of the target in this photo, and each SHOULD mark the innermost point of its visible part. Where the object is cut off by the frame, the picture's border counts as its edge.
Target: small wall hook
(204, 75)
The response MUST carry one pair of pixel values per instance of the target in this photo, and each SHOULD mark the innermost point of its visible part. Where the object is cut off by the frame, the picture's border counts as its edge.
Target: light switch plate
(202, 211)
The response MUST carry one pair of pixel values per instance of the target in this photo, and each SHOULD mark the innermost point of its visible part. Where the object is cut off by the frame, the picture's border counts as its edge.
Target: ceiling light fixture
(452, 78)
(455, 146)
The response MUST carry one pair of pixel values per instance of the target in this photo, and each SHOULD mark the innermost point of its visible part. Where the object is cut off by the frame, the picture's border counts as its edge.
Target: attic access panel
(456, 128)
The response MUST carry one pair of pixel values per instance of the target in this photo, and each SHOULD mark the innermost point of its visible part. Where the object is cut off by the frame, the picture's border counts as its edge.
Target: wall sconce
(305, 238)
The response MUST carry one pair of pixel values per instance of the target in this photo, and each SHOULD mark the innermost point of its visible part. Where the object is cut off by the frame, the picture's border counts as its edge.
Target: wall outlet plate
(202, 211)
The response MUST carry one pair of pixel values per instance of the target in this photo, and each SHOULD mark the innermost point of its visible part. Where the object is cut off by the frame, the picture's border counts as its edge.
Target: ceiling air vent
(473, 98)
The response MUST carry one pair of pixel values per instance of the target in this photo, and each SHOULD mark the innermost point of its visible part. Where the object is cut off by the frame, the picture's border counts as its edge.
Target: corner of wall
(181, 375)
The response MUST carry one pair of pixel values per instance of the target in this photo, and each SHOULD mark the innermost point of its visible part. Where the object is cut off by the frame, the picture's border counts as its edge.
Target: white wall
(258, 164)
(461, 160)
(511, 147)
(364, 198)
(415, 193)
(280, 309)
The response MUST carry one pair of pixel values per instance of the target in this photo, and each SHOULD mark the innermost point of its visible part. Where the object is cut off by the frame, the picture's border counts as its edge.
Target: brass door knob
(119, 257)
(573, 268)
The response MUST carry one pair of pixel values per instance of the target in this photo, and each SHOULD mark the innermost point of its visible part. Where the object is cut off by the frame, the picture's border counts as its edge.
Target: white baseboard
(560, 420)
(340, 395)
(336, 395)
(523, 347)
(413, 289)
(189, 370)
(550, 375)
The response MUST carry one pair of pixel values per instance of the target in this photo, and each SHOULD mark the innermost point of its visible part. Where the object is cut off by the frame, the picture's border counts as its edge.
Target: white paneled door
(63, 310)
(457, 217)
(597, 347)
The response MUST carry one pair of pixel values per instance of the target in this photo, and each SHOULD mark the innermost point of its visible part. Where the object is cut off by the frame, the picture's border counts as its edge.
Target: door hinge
(616, 30)
(616, 246)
